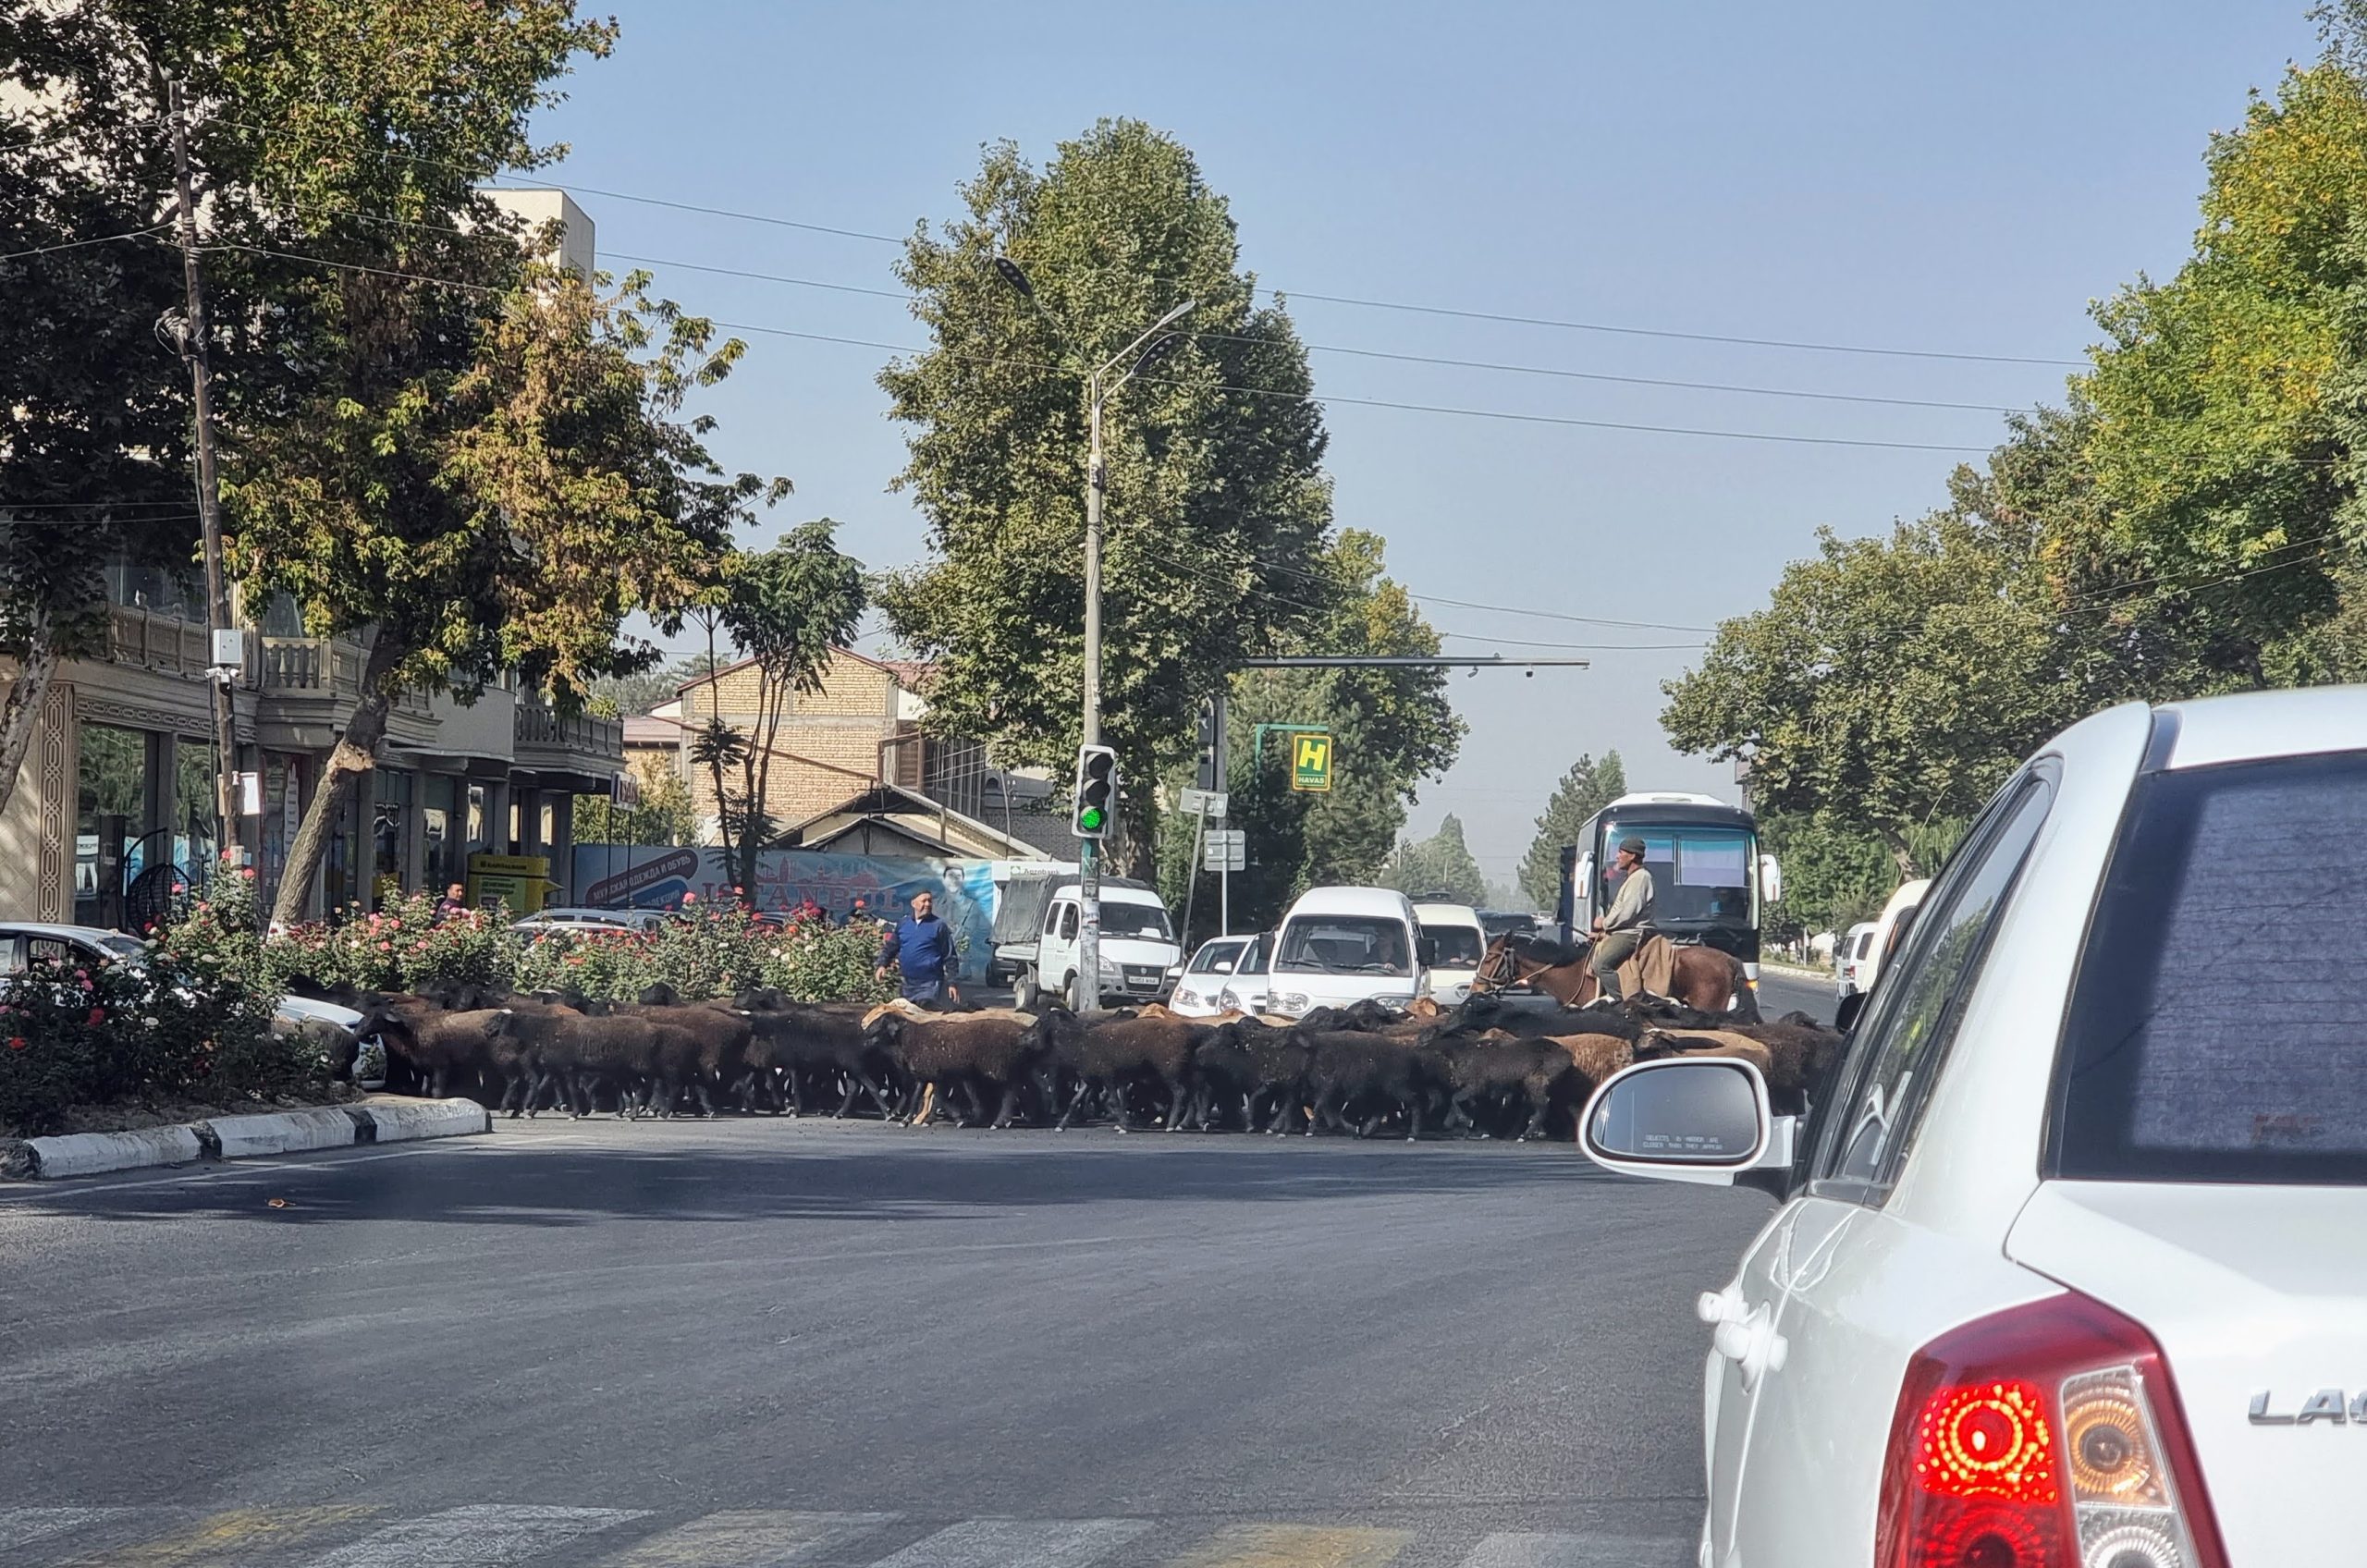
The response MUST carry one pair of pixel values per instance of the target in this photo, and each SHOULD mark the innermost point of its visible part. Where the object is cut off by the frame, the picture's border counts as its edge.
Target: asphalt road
(759, 1342)
(1782, 991)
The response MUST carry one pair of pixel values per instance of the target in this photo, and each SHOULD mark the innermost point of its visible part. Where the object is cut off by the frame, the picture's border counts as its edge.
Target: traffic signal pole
(1088, 853)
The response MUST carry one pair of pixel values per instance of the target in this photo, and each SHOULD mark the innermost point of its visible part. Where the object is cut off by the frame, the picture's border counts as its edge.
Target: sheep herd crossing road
(1489, 1070)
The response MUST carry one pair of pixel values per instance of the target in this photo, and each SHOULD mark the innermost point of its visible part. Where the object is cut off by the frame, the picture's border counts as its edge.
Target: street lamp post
(1143, 351)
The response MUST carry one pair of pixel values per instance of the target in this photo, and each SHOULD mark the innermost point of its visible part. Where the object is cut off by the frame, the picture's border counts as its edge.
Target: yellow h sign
(1311, 763)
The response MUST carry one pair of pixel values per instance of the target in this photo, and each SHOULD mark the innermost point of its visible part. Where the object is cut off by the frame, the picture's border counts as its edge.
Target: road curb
(242, 1137)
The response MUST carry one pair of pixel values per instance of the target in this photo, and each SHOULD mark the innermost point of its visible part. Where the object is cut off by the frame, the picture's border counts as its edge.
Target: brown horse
(1703, 978)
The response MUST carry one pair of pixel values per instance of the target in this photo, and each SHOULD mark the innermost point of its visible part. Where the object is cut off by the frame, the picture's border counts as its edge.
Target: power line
(79, 244)
(1492, 366)
(1559, 324)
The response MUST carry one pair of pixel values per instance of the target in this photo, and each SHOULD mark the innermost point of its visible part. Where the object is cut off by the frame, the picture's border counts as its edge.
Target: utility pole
(209, 504)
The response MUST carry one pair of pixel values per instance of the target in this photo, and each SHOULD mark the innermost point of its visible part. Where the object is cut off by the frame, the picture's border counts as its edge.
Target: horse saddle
(1651, 967)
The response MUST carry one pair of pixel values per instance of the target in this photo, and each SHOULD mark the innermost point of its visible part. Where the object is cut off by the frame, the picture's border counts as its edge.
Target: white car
(1458, 941)
(1849, 957)
(2067, 1271)
(1199, 990)
(543, 922)
(26, 945)
(1245, 989)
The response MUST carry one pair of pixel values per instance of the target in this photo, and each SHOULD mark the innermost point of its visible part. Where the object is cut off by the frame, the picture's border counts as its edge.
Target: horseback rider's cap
(1631, 845)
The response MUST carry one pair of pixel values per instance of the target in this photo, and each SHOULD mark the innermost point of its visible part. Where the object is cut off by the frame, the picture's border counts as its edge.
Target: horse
(1700, 978)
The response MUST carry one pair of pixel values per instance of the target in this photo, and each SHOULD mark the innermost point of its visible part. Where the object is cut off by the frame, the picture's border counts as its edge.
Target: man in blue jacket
(921, 950)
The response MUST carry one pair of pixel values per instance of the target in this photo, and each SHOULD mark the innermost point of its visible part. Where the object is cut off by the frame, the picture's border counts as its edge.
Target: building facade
(114, 802)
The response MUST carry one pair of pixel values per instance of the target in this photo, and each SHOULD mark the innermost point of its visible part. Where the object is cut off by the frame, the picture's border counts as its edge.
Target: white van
(1340, 946)
(1139, 955)
(1849, 958)
(1459, 941)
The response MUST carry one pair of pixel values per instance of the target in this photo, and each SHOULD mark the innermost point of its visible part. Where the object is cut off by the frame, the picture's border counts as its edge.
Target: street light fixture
(1155, 343)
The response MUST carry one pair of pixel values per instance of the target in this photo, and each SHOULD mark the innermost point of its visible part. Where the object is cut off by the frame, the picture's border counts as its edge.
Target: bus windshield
(1700, 874)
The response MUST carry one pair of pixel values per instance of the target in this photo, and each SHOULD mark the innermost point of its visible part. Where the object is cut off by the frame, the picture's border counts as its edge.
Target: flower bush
(399, 946)
(135, 1033)
(711, 949)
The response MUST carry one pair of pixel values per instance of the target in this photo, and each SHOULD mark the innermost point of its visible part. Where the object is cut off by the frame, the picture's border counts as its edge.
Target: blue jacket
(920, 950)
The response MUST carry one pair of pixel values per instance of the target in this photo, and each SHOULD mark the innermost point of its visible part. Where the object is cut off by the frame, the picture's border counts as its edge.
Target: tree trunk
(1900, 854)
(21, 714)
(356, 754)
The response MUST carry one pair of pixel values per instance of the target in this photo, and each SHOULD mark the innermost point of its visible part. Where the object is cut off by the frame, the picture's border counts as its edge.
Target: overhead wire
(80, 244)
(1803, 345)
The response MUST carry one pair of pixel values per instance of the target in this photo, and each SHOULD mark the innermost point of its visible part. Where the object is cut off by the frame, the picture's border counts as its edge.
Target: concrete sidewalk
(380, 1119)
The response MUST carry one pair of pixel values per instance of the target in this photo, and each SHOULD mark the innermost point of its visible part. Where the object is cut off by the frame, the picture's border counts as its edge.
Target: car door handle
(1752, 1343)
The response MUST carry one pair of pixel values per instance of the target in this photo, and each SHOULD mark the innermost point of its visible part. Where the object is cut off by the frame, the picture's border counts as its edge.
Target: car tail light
(2046, 1436)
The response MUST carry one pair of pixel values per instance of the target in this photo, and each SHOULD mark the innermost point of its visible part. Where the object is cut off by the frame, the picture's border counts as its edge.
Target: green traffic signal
(1091, 816)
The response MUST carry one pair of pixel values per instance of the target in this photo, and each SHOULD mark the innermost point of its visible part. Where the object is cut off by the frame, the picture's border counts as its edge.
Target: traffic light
(1096, 789)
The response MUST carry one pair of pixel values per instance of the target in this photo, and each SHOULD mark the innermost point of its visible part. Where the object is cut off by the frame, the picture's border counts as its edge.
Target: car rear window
(2218, 1029)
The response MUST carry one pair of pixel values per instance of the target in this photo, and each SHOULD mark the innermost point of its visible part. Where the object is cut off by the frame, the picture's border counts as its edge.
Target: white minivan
(1139, 955)
(1340, 946)
(1459, 941)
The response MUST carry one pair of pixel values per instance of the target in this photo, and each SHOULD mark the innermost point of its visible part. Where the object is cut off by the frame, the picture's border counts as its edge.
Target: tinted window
(1068, 923)
(1344, 944)
(2218, 1028)
(1917, 1002)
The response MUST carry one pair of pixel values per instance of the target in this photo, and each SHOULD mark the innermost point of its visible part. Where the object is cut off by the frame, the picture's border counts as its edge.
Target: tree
(666, 814)
(1890, 683)
(2227, 400)
(1588, 787)
(786, 609)
(1442, 863)
(93, 412)
(645, 690)
(1217, 510)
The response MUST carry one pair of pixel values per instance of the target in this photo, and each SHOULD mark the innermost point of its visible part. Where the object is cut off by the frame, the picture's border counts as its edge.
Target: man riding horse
(1621, 929)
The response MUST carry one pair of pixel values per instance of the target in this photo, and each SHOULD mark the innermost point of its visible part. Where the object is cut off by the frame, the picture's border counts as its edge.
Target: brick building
(862, 727)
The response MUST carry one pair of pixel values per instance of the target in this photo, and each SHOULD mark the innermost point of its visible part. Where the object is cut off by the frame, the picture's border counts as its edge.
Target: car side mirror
(1771, 880)
(1844, 1017)
(1222, 966)
(1704, 1121)
(1426, 950)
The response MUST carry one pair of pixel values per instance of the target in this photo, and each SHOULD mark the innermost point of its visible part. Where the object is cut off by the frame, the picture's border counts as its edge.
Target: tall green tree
(93, 410)
(1441, 863)
(1891, 682)
(1588, 787)
(1217, 508)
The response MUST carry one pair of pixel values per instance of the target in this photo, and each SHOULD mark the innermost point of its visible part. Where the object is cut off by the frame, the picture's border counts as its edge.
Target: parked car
(569, 918)
(27, 946)
(1197, 990)
(1340, 946)
(2065, 1269)
(1849, 957)
(1458, 941)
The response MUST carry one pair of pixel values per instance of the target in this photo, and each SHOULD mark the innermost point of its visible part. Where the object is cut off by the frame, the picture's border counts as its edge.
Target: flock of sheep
(1487, 1068)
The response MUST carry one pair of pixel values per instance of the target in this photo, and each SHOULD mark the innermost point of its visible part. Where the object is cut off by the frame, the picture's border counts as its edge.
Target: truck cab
(1139, 954)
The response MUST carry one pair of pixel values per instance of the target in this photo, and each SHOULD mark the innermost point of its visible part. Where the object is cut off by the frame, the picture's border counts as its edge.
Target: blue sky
(1961, 180)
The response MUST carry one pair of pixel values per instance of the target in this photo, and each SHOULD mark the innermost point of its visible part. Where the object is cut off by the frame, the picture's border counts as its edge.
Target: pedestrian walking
(921, 950)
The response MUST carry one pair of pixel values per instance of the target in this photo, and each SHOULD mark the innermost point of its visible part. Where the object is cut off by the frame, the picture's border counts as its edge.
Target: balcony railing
(584, 734)
(149, 641)
(323, 667)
